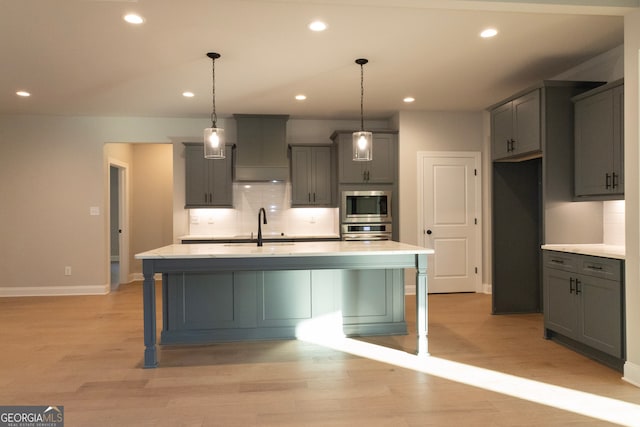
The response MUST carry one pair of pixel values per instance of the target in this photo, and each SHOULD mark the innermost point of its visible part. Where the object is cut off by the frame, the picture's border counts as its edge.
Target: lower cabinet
(238, 305)
(583, 304)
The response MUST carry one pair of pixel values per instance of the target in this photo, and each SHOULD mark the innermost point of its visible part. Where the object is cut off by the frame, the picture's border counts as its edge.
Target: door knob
(429, 231)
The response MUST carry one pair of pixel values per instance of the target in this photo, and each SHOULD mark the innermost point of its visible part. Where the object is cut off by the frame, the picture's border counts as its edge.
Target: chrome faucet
(264, 219)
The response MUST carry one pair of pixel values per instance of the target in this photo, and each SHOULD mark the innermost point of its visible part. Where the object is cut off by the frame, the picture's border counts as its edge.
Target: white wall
(53, 171)
(632, 195)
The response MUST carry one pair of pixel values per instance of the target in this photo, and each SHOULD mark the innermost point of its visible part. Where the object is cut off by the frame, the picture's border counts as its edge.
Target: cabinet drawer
(560, 261)
(605, 268)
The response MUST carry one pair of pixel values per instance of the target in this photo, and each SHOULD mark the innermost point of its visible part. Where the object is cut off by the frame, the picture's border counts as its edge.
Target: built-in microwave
(365, 206)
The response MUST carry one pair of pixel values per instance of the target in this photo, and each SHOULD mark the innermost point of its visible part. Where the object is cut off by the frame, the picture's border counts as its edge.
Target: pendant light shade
(362, 140)
(214, 136)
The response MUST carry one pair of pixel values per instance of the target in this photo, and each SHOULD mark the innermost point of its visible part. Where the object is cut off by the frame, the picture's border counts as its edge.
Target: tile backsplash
(613, 222)
(242, 220)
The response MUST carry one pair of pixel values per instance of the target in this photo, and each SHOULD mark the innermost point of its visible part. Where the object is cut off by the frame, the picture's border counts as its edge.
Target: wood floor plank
(85, 353)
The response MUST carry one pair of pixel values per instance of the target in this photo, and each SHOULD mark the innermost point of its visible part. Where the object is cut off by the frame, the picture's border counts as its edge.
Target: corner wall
(632, 194)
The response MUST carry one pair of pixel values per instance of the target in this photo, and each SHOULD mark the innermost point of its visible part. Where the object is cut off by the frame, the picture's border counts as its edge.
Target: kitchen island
(238, 291)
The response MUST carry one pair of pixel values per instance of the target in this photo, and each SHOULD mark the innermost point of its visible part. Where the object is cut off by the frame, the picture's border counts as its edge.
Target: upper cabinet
(208, 181)
(515, 127)
(599, 142)
(311, 175)
(380, 170)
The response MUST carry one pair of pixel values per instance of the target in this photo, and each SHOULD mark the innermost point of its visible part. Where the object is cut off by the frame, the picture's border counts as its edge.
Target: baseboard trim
(631, 373)
(487, 288)
(53, 291)
(139, 277)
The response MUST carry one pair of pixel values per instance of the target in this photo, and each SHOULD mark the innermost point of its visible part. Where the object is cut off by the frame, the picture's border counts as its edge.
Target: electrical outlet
(67, 271)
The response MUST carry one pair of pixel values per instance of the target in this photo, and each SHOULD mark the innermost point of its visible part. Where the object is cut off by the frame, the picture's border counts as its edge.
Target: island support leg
(421, 306)
(149, 309)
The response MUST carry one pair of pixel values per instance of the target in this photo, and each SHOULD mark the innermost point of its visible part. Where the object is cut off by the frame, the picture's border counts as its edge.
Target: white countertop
(244, 250)
(272, 236)
(594, 249)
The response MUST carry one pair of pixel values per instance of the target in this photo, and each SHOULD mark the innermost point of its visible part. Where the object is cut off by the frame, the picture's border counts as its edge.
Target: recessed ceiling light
(23, 93)
(133, 18)
(488, 33)
(317, 26)
(301, 97)
(408, 99)
(188, 94)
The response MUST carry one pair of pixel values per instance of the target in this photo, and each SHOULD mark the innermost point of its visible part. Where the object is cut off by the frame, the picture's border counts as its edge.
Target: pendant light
(214, 136)
(362, 140)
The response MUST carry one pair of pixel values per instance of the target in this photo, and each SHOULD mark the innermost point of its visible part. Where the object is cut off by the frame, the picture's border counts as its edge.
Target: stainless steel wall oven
(365, 215)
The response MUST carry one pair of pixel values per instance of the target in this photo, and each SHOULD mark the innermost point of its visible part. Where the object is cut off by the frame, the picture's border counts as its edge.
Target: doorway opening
(119, 252)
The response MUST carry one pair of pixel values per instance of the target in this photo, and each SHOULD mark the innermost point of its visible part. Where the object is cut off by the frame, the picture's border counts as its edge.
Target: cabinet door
(196, 178)
(321, 176)
(593, 144)
(221, 181)
(560, 302)
(600, 314)
(208, 183)
(350, 172)
(381, 170)
(300, 176)
(618, 139)
(501, 131)
(526, 123)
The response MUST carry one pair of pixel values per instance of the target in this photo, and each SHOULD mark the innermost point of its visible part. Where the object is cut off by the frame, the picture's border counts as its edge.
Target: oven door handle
(365, 237)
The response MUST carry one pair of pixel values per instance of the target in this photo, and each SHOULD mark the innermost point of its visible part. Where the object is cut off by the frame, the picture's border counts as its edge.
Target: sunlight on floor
(591, 405)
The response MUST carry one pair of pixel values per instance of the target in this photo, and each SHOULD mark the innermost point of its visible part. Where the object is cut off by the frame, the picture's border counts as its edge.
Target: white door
(449, 219)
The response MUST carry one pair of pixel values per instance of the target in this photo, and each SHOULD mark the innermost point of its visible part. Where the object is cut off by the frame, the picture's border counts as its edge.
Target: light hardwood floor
(85, 353)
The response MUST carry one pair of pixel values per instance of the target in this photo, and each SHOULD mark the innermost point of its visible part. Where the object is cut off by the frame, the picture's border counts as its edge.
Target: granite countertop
(282, 249)
(594, 249)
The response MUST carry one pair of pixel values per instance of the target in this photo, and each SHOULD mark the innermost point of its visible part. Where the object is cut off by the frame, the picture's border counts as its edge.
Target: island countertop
(282, 249)
(327, 276)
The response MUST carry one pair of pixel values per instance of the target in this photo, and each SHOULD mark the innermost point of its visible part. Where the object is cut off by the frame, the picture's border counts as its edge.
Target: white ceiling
(78, 57)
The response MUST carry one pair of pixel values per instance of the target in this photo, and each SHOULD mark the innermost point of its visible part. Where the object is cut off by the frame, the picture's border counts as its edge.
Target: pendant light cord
(361, 96)
(361, 62)
(214, 117)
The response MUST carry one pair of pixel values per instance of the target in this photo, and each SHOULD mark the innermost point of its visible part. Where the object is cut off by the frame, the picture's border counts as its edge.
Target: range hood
(261, 148)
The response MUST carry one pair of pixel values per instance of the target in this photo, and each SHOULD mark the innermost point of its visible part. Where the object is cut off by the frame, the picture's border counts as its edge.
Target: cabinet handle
(571, 288)
(578, 290)
(558, 261)
(314, 197)
(309, 196)
(595, 267)
(615, 180)
(607, 181)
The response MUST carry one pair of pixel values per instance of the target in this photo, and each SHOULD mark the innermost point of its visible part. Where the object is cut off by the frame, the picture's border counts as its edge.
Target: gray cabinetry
(532, 191)
(381, 170)
(584, 302)
(208, 183)
(599, 142)
(238, 305)
(311, 176)
(515, 127)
